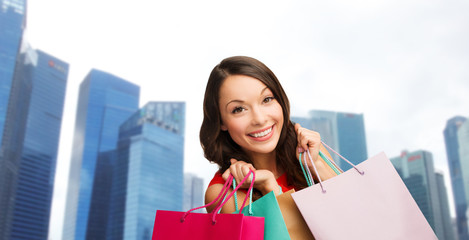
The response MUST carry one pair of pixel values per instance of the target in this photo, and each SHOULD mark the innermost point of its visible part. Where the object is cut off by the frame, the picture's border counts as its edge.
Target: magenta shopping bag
(207, 226)
(369, 201)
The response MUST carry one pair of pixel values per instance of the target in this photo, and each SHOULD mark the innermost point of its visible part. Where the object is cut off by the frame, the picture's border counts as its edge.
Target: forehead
(240, 87)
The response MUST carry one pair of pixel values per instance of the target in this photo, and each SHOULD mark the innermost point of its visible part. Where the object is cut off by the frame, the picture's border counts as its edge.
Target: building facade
(105, 102)
(344, 132)
(463, 139)
(36, 171)
(148, 171)
(456, 144)
(449, 233)
(12, 120)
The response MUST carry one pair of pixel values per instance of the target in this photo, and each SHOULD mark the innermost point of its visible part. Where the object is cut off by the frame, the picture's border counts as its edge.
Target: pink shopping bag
(209, 226)
(369, 201)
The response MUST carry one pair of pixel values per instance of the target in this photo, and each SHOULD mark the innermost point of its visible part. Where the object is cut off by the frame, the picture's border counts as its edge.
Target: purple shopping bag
(369, 201)
(209, 226)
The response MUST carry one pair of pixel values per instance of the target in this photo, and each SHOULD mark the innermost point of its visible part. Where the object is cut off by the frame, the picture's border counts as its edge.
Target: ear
(223, 127)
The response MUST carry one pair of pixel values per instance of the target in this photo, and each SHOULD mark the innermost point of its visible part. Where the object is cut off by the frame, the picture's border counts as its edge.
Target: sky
(402, 63)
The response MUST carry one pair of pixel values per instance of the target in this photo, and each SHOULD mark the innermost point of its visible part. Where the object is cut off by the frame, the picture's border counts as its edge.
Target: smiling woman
(247, 127)
(250, 113)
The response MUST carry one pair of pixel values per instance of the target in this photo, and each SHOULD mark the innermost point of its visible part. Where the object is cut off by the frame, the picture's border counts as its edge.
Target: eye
(268, 99)
(237, 110)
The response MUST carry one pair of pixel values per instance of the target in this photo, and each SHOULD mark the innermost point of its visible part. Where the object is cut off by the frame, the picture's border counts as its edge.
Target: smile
(261, 134)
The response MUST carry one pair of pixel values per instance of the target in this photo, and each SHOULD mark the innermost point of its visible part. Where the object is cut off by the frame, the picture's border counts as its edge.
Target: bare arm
(229, 207)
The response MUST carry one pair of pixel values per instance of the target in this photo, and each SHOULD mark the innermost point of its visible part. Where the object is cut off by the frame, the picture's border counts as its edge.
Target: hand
(308, 139)
(264, 181)
(311, 140)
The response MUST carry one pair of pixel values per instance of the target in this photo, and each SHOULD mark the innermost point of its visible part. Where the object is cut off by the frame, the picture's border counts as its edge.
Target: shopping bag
(369, 201)
(209, 226)
(268, 208)
(294, 222)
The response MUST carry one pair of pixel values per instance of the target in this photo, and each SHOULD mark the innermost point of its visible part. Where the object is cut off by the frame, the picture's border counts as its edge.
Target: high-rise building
(148, 171)
(417, 171)
(12, 24)
(105, 102)
(463, 139)
(344, 132)
(455, 144)
(30, 143)
(12, 118)
(449, 233)
(40, 146)
(193, 192)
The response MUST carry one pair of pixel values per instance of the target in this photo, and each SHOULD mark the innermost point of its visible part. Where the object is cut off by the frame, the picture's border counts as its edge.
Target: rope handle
(316, 171)
(223, 192)
(215, 212)
(338, 154)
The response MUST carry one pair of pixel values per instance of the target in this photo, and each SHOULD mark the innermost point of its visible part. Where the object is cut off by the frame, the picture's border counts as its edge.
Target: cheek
(279, 113)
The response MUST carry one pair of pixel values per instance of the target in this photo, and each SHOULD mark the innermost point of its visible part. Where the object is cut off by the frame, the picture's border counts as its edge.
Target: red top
(281, 181)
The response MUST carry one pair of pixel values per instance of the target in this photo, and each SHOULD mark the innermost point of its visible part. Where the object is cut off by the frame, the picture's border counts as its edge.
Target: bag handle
(223, 192)
(338, 154)
(236, 200)
(309, 175)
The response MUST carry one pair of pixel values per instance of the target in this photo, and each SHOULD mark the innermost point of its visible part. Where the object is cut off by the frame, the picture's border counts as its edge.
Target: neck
(266, 161)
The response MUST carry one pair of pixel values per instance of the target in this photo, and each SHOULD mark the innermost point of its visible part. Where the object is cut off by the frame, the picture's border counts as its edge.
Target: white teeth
(261, 134)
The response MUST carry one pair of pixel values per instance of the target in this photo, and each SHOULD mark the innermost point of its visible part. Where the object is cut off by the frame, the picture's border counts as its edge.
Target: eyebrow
(240, 101)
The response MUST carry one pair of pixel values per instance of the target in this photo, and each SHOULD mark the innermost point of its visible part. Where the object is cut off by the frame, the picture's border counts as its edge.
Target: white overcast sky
(404, 64)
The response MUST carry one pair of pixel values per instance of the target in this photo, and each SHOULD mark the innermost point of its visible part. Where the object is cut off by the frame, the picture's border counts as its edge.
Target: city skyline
(352, 57)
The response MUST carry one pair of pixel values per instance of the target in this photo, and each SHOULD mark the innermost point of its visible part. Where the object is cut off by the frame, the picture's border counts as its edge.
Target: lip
(264, 138)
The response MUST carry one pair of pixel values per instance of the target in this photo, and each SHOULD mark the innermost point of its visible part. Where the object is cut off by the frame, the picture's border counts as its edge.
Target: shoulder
(217, 178)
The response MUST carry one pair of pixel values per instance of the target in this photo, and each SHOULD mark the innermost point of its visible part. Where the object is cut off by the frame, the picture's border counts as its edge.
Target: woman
(247, 126)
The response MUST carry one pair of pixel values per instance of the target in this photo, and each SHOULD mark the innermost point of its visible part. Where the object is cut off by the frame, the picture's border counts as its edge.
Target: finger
(302, 137)
(297, 126)
(235, 172)
(226, 174)
(246, 169)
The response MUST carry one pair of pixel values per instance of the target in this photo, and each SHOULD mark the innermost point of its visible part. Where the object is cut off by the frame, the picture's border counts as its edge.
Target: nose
(258, 116)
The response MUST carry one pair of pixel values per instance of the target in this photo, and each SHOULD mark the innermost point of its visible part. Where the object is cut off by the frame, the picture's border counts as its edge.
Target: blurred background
(101, 101)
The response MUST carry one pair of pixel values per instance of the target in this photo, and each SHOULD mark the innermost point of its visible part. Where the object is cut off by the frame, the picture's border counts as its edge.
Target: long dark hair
(218, 146)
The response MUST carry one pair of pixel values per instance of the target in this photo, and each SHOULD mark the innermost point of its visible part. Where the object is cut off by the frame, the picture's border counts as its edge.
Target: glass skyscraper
(148, 170)
(344, 132)
(459, 175)
(12, 24)
(105, 102)
(193, 192)
(39, 152)
(463, 139)
(417, 171)
(449, 233)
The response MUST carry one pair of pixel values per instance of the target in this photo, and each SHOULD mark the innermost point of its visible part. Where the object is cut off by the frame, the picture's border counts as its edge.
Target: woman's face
(250, 114)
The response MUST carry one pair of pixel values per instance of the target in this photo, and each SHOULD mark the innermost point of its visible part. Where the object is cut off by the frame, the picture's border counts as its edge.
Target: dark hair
(218, 146)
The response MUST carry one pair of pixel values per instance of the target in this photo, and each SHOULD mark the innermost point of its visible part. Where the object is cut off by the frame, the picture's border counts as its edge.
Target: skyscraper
(344, 132)
(148, 173)
(193, 192)
(463, 139)
(40, 146)
(12, 24)
(417, 171)
(105, 102)
(449, 233)
(456, 144)
(12, 118)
